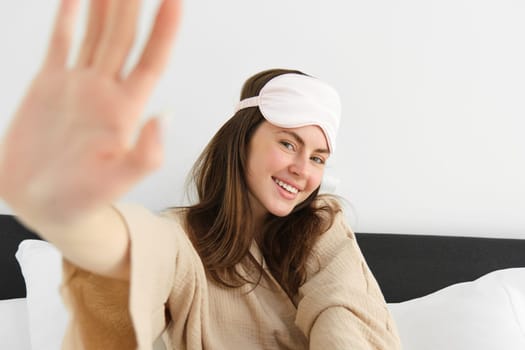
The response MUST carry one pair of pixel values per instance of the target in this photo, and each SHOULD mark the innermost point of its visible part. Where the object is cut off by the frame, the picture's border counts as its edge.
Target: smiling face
(284, 167)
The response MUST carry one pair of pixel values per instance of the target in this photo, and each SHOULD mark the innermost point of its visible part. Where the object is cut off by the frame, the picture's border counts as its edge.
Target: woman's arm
(98, 243)
(341, 305)
(68, 152)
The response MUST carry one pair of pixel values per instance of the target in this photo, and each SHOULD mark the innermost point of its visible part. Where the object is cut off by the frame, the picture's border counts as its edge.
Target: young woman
(261, 261)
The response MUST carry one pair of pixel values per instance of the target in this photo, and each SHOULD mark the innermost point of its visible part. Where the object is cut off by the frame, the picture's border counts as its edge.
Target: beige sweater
(339, 307)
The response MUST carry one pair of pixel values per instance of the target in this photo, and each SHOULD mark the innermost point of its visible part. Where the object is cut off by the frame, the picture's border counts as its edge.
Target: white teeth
(287, 187)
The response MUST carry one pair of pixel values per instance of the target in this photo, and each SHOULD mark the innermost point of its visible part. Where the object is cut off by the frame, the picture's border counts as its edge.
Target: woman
(261, 261)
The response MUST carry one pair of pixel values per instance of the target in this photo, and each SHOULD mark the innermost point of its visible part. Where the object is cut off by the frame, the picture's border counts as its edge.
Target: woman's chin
(281, 211)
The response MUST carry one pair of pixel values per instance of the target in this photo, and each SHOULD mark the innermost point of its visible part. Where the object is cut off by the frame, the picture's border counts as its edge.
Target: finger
(117, 36)
(144, 157)
(156, 52)
(62, 34)
(147, 154)
(98, 11)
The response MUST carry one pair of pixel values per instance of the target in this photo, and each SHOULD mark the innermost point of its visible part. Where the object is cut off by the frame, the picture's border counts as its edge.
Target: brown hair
(221, 225)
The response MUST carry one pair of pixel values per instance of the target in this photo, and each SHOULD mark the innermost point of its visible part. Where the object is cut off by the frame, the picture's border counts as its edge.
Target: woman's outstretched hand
(69, 148)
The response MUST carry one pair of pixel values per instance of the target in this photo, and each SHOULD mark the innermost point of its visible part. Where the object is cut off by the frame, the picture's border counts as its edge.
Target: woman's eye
(317, 160)
(288, 145)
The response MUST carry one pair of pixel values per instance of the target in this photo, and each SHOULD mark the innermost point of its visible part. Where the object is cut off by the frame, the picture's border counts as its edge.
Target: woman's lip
(288, 183)
(284, 193)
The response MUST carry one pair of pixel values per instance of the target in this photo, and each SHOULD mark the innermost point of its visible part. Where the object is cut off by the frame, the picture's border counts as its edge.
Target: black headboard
(406, 266)
(411, 266)
(11, 234)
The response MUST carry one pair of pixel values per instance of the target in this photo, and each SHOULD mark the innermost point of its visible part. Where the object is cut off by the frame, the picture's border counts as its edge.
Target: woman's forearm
(98, 243)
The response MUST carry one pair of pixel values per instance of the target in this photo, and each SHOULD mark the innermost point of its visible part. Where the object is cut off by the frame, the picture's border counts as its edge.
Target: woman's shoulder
(140, 220)
(328, 201)
(177, 214)
(330, 209)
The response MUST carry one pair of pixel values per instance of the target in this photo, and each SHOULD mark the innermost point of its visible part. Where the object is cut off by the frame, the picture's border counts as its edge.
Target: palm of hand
(69, 147)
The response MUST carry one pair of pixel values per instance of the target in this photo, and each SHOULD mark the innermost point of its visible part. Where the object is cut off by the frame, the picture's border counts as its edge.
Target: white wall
(432, 93)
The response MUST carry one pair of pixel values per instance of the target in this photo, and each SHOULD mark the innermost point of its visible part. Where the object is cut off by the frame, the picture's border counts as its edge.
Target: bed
(445, 292)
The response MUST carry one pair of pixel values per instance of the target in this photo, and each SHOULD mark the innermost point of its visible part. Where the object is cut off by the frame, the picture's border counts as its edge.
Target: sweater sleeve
(112, 314)
(341, 305)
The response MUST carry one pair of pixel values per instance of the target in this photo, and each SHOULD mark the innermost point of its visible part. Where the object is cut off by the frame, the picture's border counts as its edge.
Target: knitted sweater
(340, 306)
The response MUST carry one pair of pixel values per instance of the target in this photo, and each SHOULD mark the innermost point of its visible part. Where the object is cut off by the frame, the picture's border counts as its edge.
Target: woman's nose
(299, 166)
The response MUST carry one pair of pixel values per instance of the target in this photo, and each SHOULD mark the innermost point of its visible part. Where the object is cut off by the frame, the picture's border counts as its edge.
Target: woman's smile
(286, 186)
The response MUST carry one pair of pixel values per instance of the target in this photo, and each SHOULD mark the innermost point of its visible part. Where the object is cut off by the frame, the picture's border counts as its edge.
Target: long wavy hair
(220, 225)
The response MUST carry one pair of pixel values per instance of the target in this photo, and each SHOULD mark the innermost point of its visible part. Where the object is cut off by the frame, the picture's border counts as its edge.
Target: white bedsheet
(14, 325)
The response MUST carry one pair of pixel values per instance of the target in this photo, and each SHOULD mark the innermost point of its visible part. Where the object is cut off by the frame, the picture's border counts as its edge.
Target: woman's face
(284, 167)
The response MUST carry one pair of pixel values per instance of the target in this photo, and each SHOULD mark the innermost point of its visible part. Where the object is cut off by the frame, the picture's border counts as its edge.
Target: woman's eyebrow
(300, 141)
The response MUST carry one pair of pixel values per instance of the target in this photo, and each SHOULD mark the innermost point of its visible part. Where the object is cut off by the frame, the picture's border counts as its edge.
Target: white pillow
(485, 314)
(41, 265)
(14, 327)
